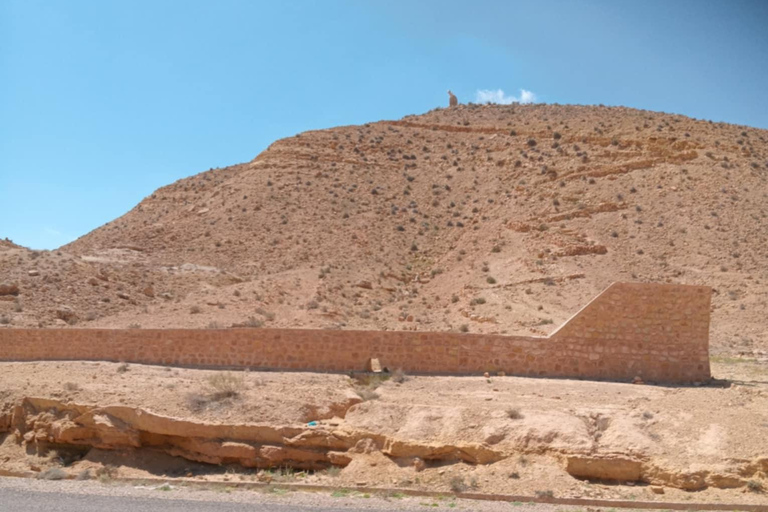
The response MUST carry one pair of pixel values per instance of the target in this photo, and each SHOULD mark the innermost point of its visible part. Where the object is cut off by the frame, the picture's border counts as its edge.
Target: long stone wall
(657, 332)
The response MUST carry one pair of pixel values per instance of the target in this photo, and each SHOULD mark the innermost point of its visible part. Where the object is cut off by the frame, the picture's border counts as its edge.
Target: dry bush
(458, 484)
(221, 389)
(52, 474)
(71, 386)
(122, 368)
(107, 473)
(253, 322)
(5, 319)
(268, 315)
(226, 384)
(194, 310)
(399, 376)
(514, 413)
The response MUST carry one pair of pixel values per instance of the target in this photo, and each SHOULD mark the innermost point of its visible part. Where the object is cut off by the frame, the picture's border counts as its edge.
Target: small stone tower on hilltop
(452, 100)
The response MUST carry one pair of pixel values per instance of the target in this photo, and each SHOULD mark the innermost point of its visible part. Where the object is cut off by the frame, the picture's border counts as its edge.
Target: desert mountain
(501, 219)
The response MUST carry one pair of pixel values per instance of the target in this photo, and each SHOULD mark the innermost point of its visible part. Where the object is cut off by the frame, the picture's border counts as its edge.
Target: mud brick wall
(657, 332)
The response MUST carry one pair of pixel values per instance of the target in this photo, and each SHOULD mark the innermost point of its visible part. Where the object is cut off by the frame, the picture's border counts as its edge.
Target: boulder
(9, 289)
(67, 314)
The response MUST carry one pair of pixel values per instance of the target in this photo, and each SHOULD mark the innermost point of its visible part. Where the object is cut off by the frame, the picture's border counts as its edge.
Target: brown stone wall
(657, 332)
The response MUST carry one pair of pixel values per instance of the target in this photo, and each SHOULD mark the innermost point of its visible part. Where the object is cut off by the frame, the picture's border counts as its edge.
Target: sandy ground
(534, 423)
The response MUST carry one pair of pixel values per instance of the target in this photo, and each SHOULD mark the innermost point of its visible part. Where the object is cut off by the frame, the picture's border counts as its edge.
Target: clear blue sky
(101, 102)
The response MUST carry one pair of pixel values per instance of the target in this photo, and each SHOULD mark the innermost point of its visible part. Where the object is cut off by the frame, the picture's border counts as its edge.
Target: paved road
(16, 500)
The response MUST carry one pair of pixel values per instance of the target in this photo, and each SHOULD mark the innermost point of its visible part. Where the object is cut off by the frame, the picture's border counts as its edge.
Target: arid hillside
(501, 219)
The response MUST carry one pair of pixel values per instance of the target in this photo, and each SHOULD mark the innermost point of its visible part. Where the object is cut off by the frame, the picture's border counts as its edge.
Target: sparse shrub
(5, 319)
(226, 384)
(122, 368)
(458, 484)
(107, 473)
(514, 413)
(312, 304)
(253, 322)
(196, 402)
(754, 486)
(464, 328)
(194, 310)
(546, 321)
(545, 494)
(214, 325)
(52, 474)
(333, 471)
(477, 301)
(496, 248)
(220, 388)
(490, 280)
(268, 315)
(91, 316)
(17, 307)
(71, 386)
(134, 326)
(399, 376)
(531, 143)
(84, 475)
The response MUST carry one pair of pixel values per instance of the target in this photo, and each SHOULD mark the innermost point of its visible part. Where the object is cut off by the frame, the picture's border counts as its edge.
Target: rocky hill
(477, 218)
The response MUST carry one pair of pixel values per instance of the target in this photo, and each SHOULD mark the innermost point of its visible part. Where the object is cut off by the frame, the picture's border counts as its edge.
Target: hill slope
(487, 218)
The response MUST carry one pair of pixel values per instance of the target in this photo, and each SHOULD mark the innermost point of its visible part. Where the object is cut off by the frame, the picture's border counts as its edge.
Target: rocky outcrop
(620, 468)
(40, 422)
(43, 421)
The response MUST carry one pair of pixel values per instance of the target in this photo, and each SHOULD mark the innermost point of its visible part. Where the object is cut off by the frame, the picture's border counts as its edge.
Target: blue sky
(103, 102)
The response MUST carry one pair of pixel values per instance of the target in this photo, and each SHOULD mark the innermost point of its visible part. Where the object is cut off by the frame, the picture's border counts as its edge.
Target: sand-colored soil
(503, 435)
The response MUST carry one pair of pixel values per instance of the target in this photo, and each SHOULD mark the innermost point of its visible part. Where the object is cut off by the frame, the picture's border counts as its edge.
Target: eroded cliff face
(42, 424)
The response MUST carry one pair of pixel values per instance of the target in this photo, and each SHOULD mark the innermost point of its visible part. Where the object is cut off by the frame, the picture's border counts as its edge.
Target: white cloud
(498, 96)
